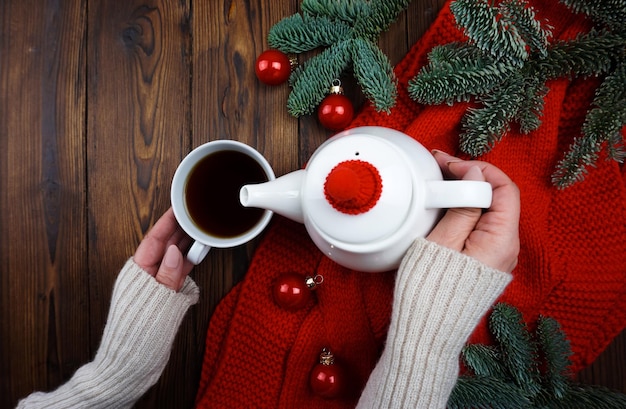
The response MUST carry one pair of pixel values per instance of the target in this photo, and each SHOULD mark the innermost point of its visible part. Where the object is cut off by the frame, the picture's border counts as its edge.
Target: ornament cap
(313, 281)
(336, 87)
(327, 357)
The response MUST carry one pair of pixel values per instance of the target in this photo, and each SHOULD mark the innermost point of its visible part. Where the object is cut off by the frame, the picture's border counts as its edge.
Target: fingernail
(171, 259)
(438, 152)
(451, 159)
(474, 173)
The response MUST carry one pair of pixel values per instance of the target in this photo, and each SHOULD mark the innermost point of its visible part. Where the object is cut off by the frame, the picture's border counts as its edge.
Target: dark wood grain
(99, 102)
(139, 74)
(44, 292)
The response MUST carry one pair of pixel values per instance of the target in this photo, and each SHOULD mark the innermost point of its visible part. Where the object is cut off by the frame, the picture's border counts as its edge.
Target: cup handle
(443, 194)
(197, 252)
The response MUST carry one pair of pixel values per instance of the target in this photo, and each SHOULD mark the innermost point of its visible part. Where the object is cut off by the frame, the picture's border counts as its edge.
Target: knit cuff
(143, 320)
(440, 296)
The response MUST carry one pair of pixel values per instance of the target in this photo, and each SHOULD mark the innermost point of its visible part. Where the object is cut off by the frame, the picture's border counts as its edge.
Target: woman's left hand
(160, 252)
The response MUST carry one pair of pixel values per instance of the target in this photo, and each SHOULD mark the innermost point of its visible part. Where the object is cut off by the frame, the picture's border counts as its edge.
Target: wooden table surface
(99, 102)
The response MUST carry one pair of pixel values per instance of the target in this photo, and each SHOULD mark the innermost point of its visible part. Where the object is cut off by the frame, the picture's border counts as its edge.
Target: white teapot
(365, 195)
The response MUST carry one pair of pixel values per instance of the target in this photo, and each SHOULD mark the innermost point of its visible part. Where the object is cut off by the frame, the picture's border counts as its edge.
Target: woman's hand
(491, 237)
(160, 252)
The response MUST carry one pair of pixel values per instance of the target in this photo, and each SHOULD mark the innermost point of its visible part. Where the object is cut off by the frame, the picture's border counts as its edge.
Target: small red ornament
(327, 378)
(336, 110)
(273, 67)
(292, 291)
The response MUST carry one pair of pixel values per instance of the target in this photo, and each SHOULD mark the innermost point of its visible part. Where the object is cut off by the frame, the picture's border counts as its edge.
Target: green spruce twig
(455, 72)
(602, 126)
(519, 352)
(347, 32)
(524, 369)
(556, 350)
(611, 13)
(504, 68)
(486, 393)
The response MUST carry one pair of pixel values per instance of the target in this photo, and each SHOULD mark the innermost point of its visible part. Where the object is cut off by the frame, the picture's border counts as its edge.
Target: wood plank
(608, 369)
(92, 126)
(43, 288)
(229, 103)
(138, 128)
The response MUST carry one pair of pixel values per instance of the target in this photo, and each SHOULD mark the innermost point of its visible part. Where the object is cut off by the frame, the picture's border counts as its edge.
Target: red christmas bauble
(273, 67)
(327, 379)
(335, 112)
(291, 291)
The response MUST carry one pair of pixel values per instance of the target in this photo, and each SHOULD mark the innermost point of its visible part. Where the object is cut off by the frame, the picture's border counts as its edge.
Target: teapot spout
(281, 195)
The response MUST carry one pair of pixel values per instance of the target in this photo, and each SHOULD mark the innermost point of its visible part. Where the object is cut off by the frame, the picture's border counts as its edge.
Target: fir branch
(493, 379)
(524, 19)
(455, 72)
(484, 361)
(589, 54)
(609, 12)
(378, 18)
(603, 124)
(311, 82)
(486, 393)
(486, 125)
(297, 34)
(518, 351)
(490, 30)
(583, 152)
(442, 55)
(510, 33)
(605, 121)
(374, 73)
(349, 28)
(556, 349)
(586, 397)
(530, 112)
(611, 95)
(347, 11)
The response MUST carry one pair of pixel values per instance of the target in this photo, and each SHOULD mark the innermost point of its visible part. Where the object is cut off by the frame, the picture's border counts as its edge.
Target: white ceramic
(203, 241)
(413, 196)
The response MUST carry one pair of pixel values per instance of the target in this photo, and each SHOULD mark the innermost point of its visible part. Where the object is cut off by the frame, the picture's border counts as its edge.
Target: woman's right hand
(491, 236)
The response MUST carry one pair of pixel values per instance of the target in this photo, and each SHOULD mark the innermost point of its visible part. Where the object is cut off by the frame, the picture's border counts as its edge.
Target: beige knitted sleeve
(439, 297)
(143, 320)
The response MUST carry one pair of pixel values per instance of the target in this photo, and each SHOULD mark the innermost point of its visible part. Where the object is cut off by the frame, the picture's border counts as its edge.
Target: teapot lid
(359, 189)
(353, 186)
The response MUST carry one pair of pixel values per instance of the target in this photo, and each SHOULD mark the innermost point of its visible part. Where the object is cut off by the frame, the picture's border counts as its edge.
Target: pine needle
(374, 73)
(456, 72)
(486, 393)
(312, 83)
(518, 351)
(507, 375)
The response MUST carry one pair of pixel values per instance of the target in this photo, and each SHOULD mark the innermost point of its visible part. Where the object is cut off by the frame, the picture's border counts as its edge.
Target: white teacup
(205, 196)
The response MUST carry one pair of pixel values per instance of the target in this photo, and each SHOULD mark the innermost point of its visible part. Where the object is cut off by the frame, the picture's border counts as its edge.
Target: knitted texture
(259, 355)
(433, 314)
(141, 326)
(572, 264)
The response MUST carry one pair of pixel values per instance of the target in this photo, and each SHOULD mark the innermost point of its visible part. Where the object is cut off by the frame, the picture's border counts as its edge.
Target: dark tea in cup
(212, 193)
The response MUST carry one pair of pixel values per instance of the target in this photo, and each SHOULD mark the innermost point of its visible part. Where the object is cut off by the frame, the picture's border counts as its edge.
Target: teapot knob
(353, 187)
